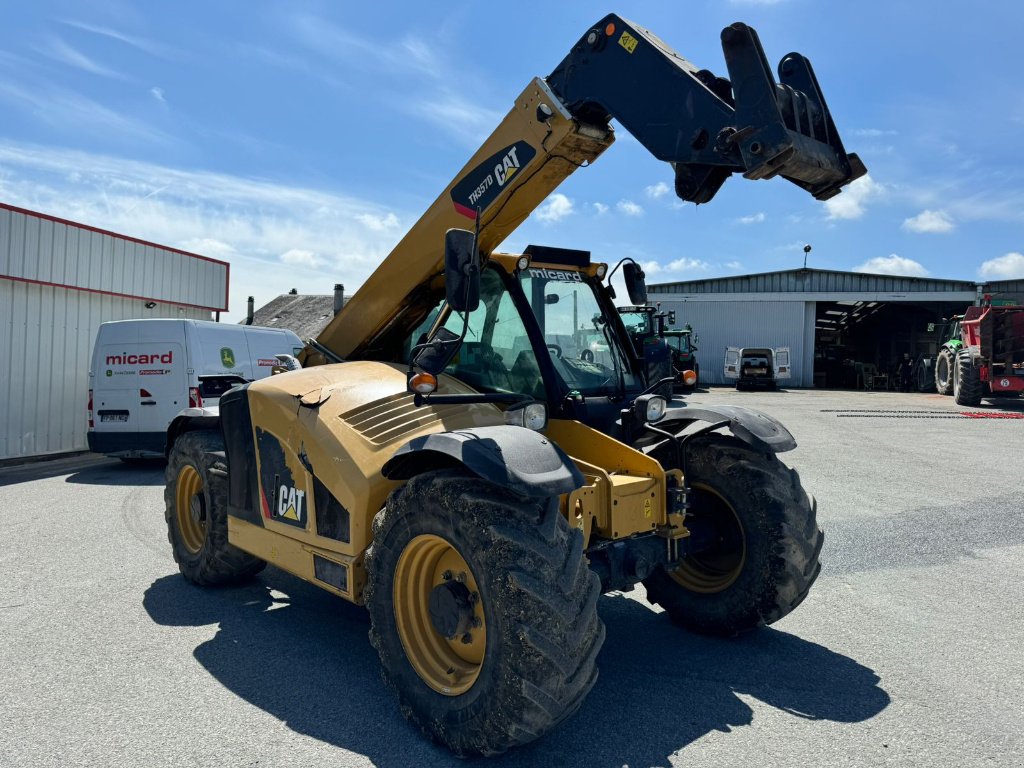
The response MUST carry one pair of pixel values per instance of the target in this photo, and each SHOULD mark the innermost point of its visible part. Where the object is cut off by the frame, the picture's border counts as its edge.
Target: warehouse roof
(809, 280)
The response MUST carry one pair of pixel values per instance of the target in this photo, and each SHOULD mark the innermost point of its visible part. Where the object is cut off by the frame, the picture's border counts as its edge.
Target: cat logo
(290, 503)
(227, 357)
(504, 170)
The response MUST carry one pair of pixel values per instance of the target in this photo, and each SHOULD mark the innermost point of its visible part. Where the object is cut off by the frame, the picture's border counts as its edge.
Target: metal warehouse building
(58, 281)
(828, 319)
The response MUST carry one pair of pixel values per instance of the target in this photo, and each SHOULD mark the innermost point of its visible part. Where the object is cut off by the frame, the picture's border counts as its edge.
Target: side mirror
(435, 355)
(635, 285)
(461, 270)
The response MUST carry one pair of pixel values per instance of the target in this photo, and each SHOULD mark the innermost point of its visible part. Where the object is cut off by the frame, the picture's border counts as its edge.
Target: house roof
(305, 315)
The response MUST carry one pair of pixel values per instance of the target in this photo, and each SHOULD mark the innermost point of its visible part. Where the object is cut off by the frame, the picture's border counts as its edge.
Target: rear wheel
(483, 611)
(944, 366)
(195, 500)
(967, 381)
(758, 538)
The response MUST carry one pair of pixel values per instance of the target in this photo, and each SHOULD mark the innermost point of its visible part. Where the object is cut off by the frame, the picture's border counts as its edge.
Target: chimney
(252, 309)
(339, 297)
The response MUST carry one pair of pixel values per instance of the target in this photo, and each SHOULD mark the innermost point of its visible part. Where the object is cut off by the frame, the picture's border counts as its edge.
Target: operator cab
(544, 329)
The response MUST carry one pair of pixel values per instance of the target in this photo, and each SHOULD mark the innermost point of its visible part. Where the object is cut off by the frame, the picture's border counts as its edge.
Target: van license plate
(113, 417)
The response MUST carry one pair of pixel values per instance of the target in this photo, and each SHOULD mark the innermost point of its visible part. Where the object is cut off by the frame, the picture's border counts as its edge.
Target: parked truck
(455, 458)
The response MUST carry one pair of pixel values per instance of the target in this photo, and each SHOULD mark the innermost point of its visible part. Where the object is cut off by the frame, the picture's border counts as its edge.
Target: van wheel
(196, 510)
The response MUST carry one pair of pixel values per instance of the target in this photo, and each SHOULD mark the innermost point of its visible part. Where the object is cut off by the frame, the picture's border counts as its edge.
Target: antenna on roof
(807, 249)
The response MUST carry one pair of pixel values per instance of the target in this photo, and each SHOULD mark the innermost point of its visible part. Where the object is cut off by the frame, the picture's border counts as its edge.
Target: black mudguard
(189, 420)
(516, 458)
(753, 427)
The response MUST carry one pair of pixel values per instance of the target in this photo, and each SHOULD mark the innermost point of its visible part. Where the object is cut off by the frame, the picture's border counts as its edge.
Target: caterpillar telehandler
(449, 457)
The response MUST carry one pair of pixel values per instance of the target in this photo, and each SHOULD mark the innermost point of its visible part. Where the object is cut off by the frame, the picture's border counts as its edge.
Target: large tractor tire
(945, 369)
(483, 611)
(761, 542)
(967, 388)
(196, 510)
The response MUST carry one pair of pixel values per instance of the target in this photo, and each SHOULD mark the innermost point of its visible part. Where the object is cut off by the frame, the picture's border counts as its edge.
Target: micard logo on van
(227, 357)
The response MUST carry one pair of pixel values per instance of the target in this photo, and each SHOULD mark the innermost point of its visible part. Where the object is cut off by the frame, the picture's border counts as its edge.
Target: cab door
(732, 362)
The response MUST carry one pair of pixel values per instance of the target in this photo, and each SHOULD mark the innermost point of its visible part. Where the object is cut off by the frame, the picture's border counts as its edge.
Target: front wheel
(196, 499)
(483, 611)
(754, 537)
(944, 372)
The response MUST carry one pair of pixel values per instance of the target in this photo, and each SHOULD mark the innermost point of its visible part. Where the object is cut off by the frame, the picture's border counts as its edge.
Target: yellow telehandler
(471, 448)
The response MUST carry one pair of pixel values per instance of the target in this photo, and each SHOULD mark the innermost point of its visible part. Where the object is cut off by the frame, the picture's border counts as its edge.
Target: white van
(145, 371)
(757, 367)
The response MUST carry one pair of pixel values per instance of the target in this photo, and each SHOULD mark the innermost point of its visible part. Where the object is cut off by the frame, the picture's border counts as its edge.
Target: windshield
(680, 342)
(584, 350)
(638, 322)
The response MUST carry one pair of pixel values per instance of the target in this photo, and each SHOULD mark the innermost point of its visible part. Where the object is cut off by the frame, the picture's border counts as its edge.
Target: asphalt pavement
(906, 653)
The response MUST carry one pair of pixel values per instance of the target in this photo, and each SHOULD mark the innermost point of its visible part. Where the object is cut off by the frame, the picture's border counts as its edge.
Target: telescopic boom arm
(705, 126)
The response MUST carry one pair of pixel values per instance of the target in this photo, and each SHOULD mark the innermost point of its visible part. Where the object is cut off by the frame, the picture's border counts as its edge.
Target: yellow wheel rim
(189, 511)
(716, 569)
(448, 665)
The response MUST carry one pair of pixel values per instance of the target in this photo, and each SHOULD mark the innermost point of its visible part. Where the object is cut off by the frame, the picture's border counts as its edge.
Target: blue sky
(299, 141)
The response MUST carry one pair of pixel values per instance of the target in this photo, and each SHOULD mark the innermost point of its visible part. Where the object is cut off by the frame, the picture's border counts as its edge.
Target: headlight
(649, 408)
(530, 415)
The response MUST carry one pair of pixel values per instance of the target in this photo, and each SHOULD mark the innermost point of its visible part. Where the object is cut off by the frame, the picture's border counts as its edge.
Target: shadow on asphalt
(114, 472)
(306, 660)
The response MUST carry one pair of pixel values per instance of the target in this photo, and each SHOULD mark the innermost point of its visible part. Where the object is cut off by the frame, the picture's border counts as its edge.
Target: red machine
(991, 361)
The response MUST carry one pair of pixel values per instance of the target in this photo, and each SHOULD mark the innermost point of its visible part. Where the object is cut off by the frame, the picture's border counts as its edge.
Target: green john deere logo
(227, 356)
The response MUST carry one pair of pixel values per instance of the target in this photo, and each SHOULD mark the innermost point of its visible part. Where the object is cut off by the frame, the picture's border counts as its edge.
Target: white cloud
(851, 202)
(149, 46)
(685, 264)
(158, 94)
(601, 209)
(1008, 267)
(555, 208)
(892, 265)
(301, 257)
(261, 228)
(734, 265)
(60, 51)
(929, 221)
(62, 108)
(755, 218)
(377, 223)
(656, 191)
(629, 208)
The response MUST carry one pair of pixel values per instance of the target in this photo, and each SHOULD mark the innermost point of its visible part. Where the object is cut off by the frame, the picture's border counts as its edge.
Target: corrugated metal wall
(722, 324)
(46, 339)
(38, 248)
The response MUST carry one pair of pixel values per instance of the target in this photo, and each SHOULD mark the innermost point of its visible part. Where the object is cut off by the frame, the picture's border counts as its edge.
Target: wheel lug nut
(447, 575)
(461, 577)
(467, 639)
